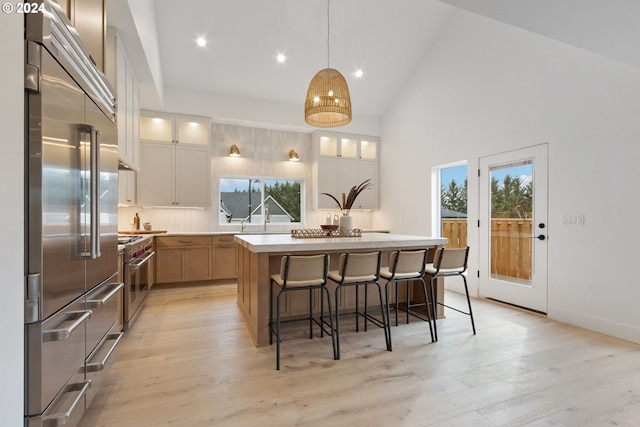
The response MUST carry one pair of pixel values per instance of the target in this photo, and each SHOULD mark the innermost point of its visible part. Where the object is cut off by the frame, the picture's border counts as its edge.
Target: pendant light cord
(328, 31)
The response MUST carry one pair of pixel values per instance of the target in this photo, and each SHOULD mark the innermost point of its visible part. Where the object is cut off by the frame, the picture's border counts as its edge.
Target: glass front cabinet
(342, 161)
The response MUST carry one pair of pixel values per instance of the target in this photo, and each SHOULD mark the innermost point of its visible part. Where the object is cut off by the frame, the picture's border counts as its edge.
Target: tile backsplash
(186, 220)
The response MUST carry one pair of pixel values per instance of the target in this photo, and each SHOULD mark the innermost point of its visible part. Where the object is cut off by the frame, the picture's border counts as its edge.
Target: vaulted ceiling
(384, 38)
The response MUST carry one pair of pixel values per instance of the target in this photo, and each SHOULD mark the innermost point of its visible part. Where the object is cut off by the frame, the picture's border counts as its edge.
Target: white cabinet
(342, 161)
(175, 161)
(163, 127)
(369, 199)
(126, 188)
(346, 146)
(120, 73)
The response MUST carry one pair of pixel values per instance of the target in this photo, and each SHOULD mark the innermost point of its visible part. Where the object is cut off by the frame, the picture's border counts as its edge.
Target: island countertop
(261, 243)
(259, 256)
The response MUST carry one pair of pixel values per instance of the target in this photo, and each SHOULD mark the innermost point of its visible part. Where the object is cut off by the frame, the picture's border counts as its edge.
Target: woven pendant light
(328, 103)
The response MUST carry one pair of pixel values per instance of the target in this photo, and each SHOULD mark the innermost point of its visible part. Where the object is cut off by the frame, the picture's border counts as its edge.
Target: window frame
(436, 194)
(263, 179)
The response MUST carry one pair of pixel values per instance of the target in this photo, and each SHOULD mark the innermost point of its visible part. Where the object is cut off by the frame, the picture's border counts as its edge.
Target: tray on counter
(311, 233)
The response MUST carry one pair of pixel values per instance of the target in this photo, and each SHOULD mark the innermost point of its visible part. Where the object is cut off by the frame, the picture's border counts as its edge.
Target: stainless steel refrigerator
(71, 155)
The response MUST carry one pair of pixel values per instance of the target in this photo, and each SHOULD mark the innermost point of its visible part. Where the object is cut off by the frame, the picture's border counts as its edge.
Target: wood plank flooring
(189, 361)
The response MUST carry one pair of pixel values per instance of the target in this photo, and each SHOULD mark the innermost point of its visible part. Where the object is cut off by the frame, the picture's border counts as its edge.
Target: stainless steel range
(138, 255)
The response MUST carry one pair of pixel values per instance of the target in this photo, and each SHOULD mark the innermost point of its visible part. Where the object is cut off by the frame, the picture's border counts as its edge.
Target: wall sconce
(293, 156)
(234, 151)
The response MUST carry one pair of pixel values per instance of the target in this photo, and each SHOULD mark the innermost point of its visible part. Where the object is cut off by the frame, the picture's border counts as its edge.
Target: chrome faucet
(266, 216)
(242, 225)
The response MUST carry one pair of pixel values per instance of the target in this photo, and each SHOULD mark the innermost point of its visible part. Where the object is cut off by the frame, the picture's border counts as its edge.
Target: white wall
(486, 87)
(12, 214)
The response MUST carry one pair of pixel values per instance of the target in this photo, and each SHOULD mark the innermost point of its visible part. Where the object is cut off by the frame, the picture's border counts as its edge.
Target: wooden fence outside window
(510, 239)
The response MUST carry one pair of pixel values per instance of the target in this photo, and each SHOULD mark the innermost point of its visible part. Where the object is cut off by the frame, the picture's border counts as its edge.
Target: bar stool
(300, 273)
(356, 269)
(406, 266)
(447, 263)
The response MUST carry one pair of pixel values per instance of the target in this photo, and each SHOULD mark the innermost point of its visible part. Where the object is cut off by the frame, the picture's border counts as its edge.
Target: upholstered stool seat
(359, 269)
(449, 263)
(406, 266)
(300, 273)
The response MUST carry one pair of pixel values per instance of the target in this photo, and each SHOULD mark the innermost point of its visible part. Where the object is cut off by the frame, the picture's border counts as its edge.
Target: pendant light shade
(328, 103)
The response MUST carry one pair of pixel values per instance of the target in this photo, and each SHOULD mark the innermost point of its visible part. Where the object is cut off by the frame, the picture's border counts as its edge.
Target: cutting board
(142, 232)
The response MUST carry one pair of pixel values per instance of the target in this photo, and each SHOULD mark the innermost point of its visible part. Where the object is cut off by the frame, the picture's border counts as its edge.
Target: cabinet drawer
(165, 241)
(224, 240)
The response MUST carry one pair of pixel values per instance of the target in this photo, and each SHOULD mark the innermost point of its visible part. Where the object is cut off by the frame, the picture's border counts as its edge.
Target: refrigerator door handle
(60, 334)
(62, 418)
(94, 226)
(99, 366)
(99, 303)
(87, 207)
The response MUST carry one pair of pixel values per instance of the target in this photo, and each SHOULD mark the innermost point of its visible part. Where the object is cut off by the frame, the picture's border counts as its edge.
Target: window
(450, 207)
(250, 199)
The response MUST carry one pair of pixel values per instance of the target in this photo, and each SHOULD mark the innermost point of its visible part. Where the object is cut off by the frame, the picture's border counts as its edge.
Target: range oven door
(137, 280)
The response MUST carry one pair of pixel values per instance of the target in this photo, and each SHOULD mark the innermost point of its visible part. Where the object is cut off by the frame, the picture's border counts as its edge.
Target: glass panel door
(513, 212)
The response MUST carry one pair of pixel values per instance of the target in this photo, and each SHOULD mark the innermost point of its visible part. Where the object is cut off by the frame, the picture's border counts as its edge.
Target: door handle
(99, 303)
(61, 334)
(539, 237)
(62, 418)
(99, 366)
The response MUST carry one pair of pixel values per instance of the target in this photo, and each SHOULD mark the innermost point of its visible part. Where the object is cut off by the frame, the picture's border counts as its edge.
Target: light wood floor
(189, 361)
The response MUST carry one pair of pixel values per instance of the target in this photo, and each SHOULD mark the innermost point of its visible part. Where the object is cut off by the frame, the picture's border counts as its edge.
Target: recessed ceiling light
(359, 73)
(202, 42)
(281, 58)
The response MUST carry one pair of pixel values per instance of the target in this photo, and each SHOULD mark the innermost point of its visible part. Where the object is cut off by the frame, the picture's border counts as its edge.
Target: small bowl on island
(328, 228)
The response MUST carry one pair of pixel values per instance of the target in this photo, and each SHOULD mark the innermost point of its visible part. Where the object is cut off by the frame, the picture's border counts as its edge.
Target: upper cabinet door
(165, 127)
(192, 132)
(90, 21)
(155, 186)
(120, 73)
(368, 149)
(327, 182)
(157, 128)
(349, 148)
(193, 176)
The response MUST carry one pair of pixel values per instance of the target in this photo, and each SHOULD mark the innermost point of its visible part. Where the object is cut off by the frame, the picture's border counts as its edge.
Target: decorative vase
(346, 225)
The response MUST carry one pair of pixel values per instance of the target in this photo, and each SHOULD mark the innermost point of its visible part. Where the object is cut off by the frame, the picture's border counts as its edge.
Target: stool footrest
(413, 312)
(321, 323)
(455, 309)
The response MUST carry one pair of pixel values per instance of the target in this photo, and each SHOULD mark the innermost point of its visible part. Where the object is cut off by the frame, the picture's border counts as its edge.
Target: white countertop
(259, 243)
(233, 233)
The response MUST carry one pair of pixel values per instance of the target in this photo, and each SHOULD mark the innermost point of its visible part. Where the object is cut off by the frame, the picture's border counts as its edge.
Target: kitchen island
(259, 257)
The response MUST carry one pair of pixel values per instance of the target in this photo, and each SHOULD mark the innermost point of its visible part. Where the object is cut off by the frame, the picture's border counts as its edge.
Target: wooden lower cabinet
(191, 258)
(225, 264)
(184, 259)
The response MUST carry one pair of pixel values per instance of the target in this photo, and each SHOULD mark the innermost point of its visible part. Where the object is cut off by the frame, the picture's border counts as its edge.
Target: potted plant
(346, 221)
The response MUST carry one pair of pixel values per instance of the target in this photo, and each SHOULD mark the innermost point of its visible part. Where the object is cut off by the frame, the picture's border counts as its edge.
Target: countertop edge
(226, 233)
(285, 243)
